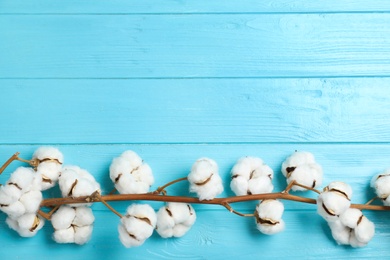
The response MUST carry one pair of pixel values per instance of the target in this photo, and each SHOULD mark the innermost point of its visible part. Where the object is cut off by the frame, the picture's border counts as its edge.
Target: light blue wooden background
(177, 80)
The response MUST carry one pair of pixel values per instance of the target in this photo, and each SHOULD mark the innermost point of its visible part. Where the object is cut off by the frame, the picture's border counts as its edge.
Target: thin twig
(9, 161)
(162, 188)
(371, 200)
(228, 207)
(102, 200)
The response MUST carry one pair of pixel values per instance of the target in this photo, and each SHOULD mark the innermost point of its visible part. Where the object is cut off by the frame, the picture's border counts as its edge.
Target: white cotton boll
(250, 175)
(50, 161)
(381, 184)
(76, 182)
(302, 168)
(269, 217)
(48, 152)
(9, 194)
(64, 235)
(205, 180)
(175, 219)
(142, 211)
(63, 217)
(126, 239)
(351, 217)
(340, 186)
(330, 205)
(22, 178)
(365, 230)
(340, 232)
(84, 216)
(82, 234)
(138, 228)
(354, 242)
(130, 174)
(31, 200)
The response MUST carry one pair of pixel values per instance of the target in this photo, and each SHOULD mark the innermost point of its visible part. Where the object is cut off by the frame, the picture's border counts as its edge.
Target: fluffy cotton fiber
(268, 216)
(175, 219)
(381, 184)
(251, 175)
(204, 179)
(50, 161)
(302, 168)
(137, 225)
(26, 225)
(130, 174)
(72, 224)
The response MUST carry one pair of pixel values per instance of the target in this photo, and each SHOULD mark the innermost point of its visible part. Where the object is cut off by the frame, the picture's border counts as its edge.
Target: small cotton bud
(334, 200)
(268, 216)
(50, 161)
(175, 219)
(205, 180)
(251, 175)
(130, 174)
(137, 225)
(302, 168)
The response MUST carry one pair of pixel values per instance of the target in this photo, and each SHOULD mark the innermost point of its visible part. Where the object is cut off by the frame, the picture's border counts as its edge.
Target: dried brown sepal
(360, 219)
(205, 181)
(169, 212)
(147, 220)
(15, 184)
(72, 188)
(118, 177)
(35, 224)
(329, 211)
(46, 179)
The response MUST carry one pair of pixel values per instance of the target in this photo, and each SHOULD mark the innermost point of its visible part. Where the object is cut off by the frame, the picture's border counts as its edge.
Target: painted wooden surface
(178, 80)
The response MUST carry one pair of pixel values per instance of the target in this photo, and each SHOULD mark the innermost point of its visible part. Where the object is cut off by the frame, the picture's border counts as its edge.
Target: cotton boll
(268, 216)
(9, 194)
(351, 217)
(365, 230)
(84, 216)
(48, 153)
(340, 232)
(175, 219)
(50, 161)
(250, 175)
(64, 235)
(76, 182)
(334, 200)
(63, 217)
(31, 200)
(128, 240)
(14, 210)
(354, 242)
(381, 184)
(130, 174)
(302, 168)
(205, 180)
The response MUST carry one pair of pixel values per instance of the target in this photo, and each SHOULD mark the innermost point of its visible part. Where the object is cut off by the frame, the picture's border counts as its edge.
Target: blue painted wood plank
(195, 110)
(186, 6)
(191, 46)
(217, 234)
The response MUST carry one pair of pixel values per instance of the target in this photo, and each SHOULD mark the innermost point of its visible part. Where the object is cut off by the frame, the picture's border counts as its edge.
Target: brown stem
(371, 200)
(100, 198)
(162, 188)
(228, 207)
(216, 201)
(9, 161)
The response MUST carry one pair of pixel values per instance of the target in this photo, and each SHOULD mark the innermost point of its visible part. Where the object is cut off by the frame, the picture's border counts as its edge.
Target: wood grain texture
(191, 46)
(194, 111)
(187, 6)
(217, 233)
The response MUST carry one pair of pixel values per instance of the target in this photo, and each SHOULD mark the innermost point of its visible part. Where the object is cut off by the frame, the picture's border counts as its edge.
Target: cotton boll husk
(262, 184)
(365, 230)
(340, 232)
(239, 185)
(31, 200)
(333, 202)
(14, 210)
(82, 234)
(271, 229)
(270, 209)
(63, 217)
(84, 216)
(64, 235)
(22, 177)
(209, 190)
(351, 217)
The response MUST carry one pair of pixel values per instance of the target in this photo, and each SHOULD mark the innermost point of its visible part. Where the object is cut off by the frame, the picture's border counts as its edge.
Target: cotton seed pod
(72, 224)
(26, 225)
(204, 179)
(334, 200)
(49, 162)
(76, 182)
(175, 219)
(268, 216)
(137, 225)
(302, 168)
(130, 174)
(381, 184)
(251, 175)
